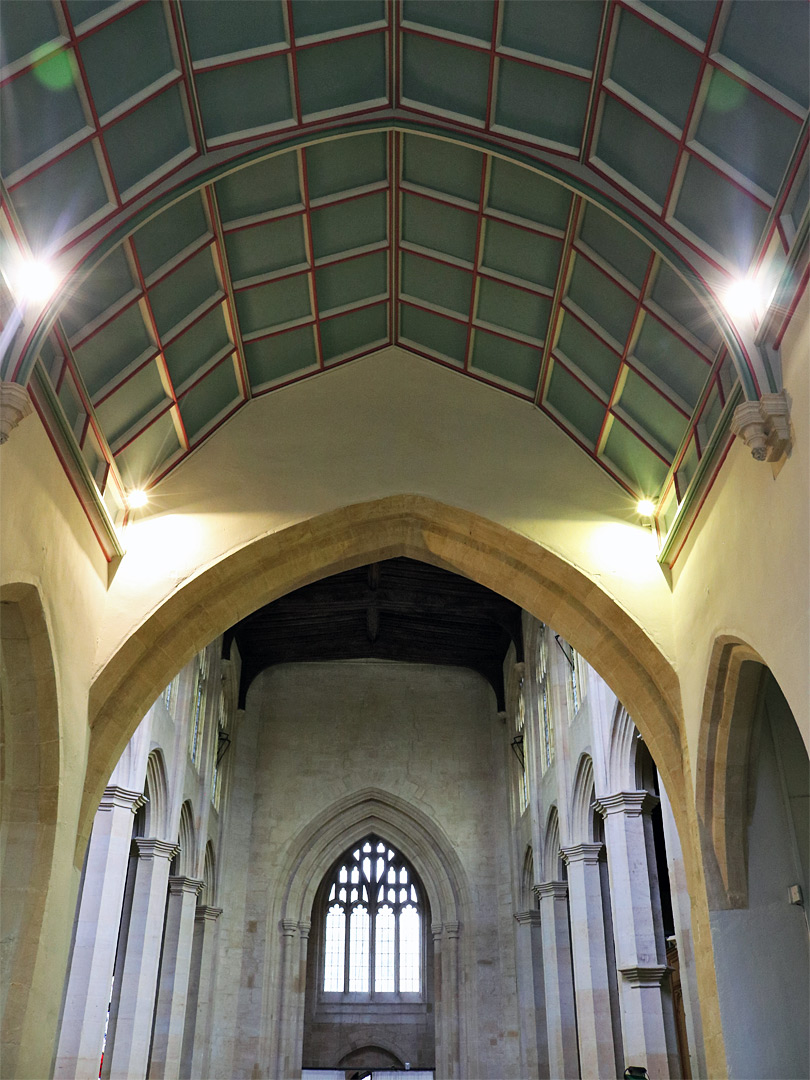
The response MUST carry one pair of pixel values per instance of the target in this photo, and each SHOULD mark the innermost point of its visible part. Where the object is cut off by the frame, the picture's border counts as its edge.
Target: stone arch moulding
(309, 856)
(400, 525)
(157, 792)
(28, 808)
(722, 780)
(581, 802)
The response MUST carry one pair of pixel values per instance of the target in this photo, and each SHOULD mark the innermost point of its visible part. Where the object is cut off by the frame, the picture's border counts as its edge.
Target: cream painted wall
(392, 423)
(746, 568)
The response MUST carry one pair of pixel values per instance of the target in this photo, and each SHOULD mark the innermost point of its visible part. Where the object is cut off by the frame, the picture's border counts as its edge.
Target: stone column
(91, 969)
(170, 1009)
(558, 977)
(133, 1031)
(286, 1007)
(197, 1033)
(436, 931)
(531, 994)
(452, 1006)
(637, 955)
(597, 1053)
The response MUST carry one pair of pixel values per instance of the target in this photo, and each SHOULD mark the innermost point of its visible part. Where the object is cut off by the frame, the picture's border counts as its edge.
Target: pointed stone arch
(553, 868)
(156, 790)
(582, 802)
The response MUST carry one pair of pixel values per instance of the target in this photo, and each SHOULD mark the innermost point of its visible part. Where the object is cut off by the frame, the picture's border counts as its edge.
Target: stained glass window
(373, 926)
(544, 706)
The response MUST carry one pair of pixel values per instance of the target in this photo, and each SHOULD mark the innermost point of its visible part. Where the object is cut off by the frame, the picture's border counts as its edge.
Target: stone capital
(115, 797)
(15, 405)
(289, 927)
(150, 848)
(587, 853)
(204, 912)
(632, 803)
(644, 976)
(182, 884)
(436, 930)
(304, 928)
(452, 929)
(557, 890)
(764, 426)
(528, 918)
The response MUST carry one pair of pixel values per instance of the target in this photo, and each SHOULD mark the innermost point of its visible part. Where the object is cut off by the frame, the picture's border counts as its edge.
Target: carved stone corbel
(15, 405)
(764, 426)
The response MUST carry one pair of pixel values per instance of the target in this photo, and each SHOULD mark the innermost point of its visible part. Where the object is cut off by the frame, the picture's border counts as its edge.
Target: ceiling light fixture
(33, 281)
(137, 499)
(645, 508)
(744, 298)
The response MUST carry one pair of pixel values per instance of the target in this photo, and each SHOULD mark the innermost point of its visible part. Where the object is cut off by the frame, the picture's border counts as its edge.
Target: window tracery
(373, 924)
(543, 703)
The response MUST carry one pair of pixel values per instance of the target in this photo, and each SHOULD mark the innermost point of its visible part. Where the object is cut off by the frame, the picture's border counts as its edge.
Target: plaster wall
(426, 735)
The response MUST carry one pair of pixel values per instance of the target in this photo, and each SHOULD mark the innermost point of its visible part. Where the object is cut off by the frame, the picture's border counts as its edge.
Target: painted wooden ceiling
(358, 191)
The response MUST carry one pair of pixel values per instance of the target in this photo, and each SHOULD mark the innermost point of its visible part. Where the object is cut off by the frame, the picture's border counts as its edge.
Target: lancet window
(543, 703)
(373, 924)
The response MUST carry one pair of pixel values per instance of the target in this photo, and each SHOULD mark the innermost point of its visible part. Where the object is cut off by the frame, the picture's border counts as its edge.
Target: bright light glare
(33, 281)
(744, 298)
(136, 499)
(646, 507)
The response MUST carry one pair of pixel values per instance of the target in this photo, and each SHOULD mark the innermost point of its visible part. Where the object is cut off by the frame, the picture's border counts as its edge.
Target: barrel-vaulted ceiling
(365, 183)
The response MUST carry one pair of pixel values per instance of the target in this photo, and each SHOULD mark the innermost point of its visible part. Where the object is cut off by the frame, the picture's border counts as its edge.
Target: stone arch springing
(582, 799)
(208, 893)
(186, 838)
(553, 866)
(156, 790)
(29, 802)
(621, 763)
(527, 898)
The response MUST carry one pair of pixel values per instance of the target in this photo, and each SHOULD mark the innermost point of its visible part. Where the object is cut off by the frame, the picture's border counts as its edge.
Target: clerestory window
(373, 924)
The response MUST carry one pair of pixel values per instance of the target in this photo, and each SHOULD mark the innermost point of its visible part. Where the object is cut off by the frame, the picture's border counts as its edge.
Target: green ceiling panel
(165, 236)
(513, 309)
(557, 29)
(131, 402)
(341, 164)
(26, 26)
(546, 104)
(146, 139)
(342, 73)
(602, 299)
(245, 96)
(266, 248)
(674, 363)
(196, 346)
(747, 132)
(445, 286)
(350, 224)
(442, 166)
(34, 117)
(182, 292)
(355, 332)
(714, 208)
(696, 18)
(640, 54)
(518, 191)
(275, 303)
(456, 16)
(432, 333)
(522, 254)
(439, 227)
(143, 457)
(116, 71)
(278, 357)
(672, 294)
(635, 149)
(588, 352)
(643, 468)
(444, 76)
(775, 47)
(575, 403)
(610, 239)
(112, 348)
(268, 185)
(509, 361)
(217, 29)
(111, 280)
(652, 412)
(352, 281)
(312, 17)
(209, 397)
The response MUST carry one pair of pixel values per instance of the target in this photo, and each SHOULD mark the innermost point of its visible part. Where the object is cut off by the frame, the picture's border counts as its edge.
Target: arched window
(373, 924)
(543, 703)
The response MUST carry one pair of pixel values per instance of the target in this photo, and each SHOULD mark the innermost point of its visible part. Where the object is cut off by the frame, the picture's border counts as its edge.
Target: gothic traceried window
(520, 734)
(373, 924)
(544, 704)
(197, 711)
